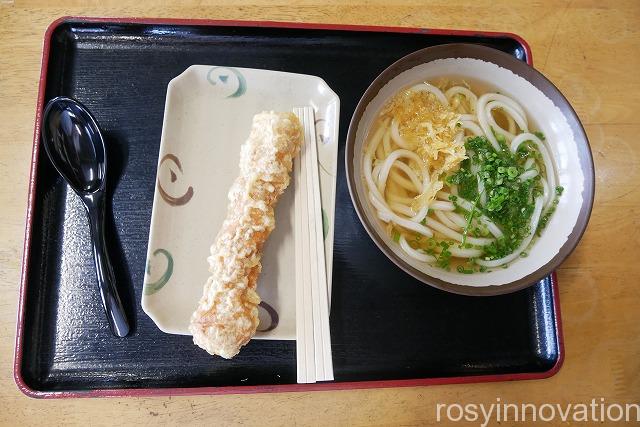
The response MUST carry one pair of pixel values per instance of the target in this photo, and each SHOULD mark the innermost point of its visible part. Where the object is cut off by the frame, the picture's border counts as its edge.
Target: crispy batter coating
(227, 315)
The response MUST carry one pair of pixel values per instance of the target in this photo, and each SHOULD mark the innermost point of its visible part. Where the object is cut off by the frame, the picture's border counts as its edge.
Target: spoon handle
(111, 302)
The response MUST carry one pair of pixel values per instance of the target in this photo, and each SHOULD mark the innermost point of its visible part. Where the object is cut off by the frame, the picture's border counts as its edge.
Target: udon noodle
(459, 177)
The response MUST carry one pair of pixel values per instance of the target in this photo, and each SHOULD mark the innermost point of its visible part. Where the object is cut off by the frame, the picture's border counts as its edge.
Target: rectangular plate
(387, 329)
(208, 115)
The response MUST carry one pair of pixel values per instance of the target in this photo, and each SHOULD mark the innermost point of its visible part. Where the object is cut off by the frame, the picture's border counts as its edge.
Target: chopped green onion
(463, 270)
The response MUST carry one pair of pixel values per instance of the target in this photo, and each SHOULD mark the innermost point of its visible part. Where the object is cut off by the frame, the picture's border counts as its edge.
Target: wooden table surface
(590, 49)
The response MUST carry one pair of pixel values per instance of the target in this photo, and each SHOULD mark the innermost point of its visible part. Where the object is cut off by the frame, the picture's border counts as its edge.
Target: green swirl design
(325, 225)
(152, 288)
(242, 82)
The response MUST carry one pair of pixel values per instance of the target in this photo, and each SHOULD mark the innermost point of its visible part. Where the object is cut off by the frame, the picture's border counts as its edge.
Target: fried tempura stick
(227, 314)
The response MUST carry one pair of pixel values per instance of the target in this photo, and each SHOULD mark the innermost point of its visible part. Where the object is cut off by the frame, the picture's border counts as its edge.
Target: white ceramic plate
(208, 115)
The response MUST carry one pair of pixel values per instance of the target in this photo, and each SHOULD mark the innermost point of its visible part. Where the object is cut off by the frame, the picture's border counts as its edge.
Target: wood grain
(590, 49)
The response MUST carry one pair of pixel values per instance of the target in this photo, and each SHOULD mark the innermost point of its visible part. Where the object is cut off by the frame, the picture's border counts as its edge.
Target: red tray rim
(176, 391)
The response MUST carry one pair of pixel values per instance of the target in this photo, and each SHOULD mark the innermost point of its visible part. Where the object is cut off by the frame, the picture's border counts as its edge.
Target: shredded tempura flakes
(430, 127)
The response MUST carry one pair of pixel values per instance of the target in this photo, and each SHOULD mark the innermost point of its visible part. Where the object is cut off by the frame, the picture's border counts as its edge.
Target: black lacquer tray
(387, 329)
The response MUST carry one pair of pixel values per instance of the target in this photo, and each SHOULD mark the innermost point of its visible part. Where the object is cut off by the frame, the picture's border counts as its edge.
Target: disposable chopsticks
(313, 346)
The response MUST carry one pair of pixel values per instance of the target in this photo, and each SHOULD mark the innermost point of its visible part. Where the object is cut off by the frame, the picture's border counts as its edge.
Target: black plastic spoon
(72, 139)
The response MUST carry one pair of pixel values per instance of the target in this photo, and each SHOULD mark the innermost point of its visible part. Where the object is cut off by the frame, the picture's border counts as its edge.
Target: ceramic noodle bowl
(547, 111)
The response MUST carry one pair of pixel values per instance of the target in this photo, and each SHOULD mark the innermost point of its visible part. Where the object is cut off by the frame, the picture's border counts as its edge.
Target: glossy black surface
(74, 144)
(76, 148)
(384, 324)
